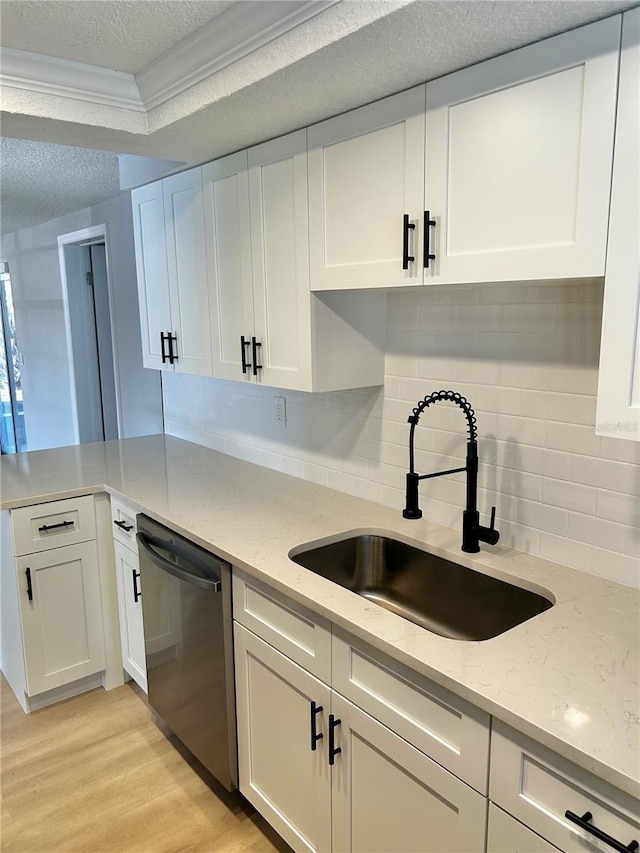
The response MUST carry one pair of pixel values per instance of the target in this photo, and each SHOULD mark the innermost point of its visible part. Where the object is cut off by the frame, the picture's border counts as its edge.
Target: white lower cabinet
(60, 607)
(130, 610)
(388, 797)
(507, 835)
(287, 781)
(127, 565)
(52, 623)
(575, 811)
(325, 773)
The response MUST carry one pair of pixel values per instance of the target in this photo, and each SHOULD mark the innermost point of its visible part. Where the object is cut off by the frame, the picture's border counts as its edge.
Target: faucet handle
(489, 534)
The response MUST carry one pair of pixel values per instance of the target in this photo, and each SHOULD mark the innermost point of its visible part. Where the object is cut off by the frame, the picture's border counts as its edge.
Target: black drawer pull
(406, 227)
(46, 527)
(136, 594)
(584, 823)
(164, 339)
(243, 345)
(426, 234)
(333, 724)
(255, 346)
(315, 736)
(27, 572)
(123, 525)
(171, 340)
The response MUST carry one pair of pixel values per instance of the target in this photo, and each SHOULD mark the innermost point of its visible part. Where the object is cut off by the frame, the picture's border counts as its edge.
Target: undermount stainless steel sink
(437, 594)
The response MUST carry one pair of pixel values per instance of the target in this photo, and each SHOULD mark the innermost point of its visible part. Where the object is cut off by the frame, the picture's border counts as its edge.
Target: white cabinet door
(507, 835)
(130, 611)
(519, 152)
(61, 611)
(226, 210)
(366, 171)
(147, 205)
(187, 271)
(618, 412)
(280, 256)
(388, 797)
(280, 775)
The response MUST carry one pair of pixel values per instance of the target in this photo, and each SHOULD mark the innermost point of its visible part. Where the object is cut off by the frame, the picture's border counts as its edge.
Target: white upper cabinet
(266, 325)
(618, 412)
(366, 174)
(153, 278)
(168, 222)
(519, 152)
(515, 184)
(226, 210)
(279, 215)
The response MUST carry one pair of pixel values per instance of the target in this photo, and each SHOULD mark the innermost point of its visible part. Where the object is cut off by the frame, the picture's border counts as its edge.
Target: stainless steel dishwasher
(186, 608)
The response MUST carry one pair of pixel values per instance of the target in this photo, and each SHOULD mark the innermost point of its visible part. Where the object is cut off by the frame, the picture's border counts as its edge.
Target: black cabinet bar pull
(406, 227)
(426, 235)
(27, 572)
(171, 340)
(315, 736)
(46, 527)
(243, 345)
(584, 823)
(136, 594)
(123, 525)
(163, 339)
(255, 344)
(333, 724)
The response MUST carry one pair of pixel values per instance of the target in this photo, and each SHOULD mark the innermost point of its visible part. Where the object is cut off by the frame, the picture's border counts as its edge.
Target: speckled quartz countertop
(568, 678)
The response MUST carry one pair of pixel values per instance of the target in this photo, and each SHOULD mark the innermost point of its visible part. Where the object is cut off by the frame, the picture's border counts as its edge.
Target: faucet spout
(472, 531)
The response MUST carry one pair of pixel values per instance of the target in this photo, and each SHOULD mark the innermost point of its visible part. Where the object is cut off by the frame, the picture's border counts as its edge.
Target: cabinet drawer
(537, 787)
(289, 627)
(124, 524)
(507, 835)
(453, 732)
(51, 525)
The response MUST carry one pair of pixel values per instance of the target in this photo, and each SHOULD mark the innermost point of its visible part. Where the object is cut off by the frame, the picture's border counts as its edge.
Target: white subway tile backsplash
(597, 472)
(526, 357)
(618, 507)
(562, 493)
(573, 438)
(596, 531)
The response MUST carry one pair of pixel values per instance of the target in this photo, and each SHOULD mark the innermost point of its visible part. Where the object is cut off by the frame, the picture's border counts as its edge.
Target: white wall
(40, 327)
(525, 356)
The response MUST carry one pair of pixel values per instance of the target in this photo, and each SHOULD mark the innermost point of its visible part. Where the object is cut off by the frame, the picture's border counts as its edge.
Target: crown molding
(77, 81)
(226, 39)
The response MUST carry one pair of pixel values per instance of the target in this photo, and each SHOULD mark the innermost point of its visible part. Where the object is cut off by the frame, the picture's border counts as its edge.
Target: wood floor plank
(98, 774)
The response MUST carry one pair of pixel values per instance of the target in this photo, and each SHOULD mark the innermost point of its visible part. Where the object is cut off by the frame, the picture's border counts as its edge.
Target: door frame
(76, 238)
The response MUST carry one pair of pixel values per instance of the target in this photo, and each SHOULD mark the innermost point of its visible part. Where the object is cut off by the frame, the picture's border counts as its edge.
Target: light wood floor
(95, 774)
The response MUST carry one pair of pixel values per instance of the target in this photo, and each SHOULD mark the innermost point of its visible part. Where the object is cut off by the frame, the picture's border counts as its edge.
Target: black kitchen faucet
(472, 531)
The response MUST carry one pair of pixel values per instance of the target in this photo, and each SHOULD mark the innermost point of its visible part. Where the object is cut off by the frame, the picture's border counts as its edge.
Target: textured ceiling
(117, 34)
(41, 181)
(419, 42)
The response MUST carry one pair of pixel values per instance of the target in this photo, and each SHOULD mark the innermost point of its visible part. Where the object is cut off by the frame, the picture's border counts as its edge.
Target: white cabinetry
(519, 152)
(366, 173)
(56, 588)
(559, 801)
(168, 225)
(618, 412)
(325, 773)
(127, 563)
(266, 326)
(507, 835)
(517, 178)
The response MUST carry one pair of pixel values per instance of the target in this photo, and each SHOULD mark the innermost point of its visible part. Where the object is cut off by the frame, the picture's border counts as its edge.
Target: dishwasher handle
(147, 542)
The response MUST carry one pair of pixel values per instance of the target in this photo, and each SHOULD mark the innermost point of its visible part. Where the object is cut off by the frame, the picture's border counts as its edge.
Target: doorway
(84, 271)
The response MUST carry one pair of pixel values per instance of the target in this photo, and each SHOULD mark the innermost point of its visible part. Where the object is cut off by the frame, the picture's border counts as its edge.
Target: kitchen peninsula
(567, 679)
